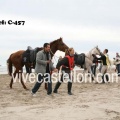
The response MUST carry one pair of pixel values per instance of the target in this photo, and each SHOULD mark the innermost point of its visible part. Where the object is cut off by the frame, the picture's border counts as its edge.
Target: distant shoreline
(3, 74)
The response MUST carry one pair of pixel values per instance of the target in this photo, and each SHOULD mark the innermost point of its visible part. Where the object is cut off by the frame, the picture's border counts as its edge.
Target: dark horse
(15, 59)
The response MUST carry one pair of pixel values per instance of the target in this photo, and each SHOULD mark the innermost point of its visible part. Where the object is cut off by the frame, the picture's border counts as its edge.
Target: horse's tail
(9, 64)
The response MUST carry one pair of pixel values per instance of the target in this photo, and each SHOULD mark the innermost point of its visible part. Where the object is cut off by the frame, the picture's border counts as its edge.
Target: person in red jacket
(66, 65)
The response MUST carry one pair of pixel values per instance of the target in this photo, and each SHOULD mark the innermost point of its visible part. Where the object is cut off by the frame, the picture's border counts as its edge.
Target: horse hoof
(80, 79)
(10, 87)
(26, 88)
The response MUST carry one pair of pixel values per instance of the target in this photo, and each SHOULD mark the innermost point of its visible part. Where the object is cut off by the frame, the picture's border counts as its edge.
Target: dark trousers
(118, 69)
(40, 81)
(93, 69)
(107, 78)
(59, 83)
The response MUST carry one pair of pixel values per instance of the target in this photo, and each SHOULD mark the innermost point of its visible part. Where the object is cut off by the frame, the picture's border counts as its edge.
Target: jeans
(69, 87)
(40, 81)
(118, 69)
(93, 69)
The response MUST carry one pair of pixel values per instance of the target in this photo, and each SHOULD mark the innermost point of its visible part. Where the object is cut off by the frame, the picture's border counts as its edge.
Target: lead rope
(54, 55)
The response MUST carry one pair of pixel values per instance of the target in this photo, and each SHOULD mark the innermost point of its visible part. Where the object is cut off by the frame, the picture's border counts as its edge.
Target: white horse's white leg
(88, 64)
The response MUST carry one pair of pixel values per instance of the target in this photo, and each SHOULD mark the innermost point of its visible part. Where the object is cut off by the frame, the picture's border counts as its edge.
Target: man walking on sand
(44, 65)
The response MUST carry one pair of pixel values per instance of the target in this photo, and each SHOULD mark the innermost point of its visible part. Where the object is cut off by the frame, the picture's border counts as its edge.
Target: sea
(4, 69)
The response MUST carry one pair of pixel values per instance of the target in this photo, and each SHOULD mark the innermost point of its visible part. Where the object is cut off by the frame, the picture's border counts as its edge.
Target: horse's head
(58, 45)
(96, 51)
(61, 45)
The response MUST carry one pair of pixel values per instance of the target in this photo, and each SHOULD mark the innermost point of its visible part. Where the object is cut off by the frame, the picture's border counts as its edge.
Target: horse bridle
(53, 53)
(92, 49)
(98, 50)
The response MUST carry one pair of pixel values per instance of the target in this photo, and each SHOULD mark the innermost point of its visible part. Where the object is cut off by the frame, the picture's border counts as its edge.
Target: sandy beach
(89, 102)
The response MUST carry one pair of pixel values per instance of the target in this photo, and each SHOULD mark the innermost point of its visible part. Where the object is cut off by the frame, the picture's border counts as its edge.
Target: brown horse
(15, 59)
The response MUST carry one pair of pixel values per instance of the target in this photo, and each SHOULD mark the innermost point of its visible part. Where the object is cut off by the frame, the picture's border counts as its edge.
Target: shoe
(49, 93)
(33, 94)
(69, 93)
(55, 91)
(102, 82)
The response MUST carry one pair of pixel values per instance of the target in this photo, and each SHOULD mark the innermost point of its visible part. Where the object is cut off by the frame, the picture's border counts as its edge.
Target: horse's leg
(11, 83)
(30, 70)
(22, 80)
(27, 68)
(14, 75)
(92, 75)
(46, 87)
(23, 84)
(88, 65)
(82, 74)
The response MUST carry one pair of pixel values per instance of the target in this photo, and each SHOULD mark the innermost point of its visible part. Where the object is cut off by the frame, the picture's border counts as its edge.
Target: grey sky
(83, 24)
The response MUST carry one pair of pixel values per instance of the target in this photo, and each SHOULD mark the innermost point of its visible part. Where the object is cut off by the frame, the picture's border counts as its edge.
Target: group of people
(66, 64)
(105, 63)
(45, 65)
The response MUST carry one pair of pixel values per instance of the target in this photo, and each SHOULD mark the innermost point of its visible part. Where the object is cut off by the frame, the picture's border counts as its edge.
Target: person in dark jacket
(94, 65)
(66, 65)
(103, 58)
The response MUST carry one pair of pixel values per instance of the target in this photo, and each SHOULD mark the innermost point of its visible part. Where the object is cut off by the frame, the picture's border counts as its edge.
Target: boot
(103, 79)
(107, 78)
(56, 87)
(69, 88)
(92, 78)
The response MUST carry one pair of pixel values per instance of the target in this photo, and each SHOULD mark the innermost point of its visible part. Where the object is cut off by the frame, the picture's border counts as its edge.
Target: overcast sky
(82, 24)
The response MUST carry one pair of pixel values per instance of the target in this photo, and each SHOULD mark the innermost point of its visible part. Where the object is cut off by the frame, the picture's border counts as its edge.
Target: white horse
(88, 59)
(113, 63)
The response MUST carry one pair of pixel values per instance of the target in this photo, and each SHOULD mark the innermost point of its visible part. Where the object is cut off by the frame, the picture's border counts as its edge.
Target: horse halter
(98, 50)
(91, 50)
(52, 52)
(53, 55)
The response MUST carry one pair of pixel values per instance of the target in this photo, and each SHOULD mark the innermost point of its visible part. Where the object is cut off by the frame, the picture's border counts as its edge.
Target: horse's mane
(52, 42)
(40, 48)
